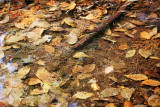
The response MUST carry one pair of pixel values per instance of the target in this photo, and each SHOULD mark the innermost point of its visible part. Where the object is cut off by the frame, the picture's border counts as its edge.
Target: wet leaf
(154, 101)
(79, 55)
(49, 49)
(123, 47)
(83, 95)
(44, 75)
(88, 68)
(145, 53)
(23, 72)
(145, 35)
(137, 77)
(150, 82)
(130, 53)
(108, 92)
(127, 93)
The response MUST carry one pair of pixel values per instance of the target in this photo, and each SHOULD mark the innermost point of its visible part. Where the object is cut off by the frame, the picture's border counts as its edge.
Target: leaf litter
(40, 68)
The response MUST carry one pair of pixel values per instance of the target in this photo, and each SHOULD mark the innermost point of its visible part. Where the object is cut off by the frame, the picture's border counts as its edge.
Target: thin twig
(102, 26)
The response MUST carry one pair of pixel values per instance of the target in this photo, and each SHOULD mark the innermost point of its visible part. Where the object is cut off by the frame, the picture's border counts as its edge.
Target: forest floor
(119, 67)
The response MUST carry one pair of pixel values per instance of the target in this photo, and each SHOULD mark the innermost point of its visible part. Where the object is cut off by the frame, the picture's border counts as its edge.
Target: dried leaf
(56, 41)
(95, 86)
(5, 20)
(127, 93)
(130, 53)
(127, 104)
(153, 31)
(108, 70)
(137, 77)
(73, 36)
(15, 38)
(128, 34)
(79, 55)
(23, 72)
(76, 69)
(120, 30)
(1, 54)
(145, 53)
(39, 23)
(84, 76)
(83, 95)
(151, 82)
(33, 81)
(94, 14)
(49, 49)
(72, 5)
(88, 68)
(123, 47)
(5, 92)
(156, 36)
(44, 75)
(145, 35)
(108, 92)
(45, 38)
(69, 21)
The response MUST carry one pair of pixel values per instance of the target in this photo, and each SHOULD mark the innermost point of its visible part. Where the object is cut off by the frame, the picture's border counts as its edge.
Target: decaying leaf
(23, 72)
(130, 53)
(88, 68)
(79, 55)
(49, 49)
(137, 77)
(44, 75)
(39, 23)
(145, 53)
(145, 35)
(83, 95)
(123, 47)
(150, 82)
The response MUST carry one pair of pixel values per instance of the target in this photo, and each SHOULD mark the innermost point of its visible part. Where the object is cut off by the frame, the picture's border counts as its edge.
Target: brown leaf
(137, 77)
(150, 82)
(33, 81)
(88, 68)
(83, 95)
(145, 53)
(154, 101)
(123, 47)
(49, 49)
(130, 53)
(127, 104)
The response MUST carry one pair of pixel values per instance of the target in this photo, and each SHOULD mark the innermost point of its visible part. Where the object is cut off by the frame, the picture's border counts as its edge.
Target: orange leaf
(151, 82)
(127, 104)
(123, 47)
(49, 49)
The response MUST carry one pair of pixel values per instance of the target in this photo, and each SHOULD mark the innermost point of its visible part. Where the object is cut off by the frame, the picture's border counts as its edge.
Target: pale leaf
(145, 53)
(79, 55)
(83, 95)
(130, 53)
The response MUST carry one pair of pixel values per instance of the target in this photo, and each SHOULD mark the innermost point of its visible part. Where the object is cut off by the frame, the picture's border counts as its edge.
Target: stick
(102, 26)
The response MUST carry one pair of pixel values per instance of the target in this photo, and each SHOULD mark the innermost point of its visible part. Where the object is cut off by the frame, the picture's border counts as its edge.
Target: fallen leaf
(154, 101)
(45, 38)
(49, 48)
(84, 76)
(145, 35)
(1, 54)
(145, 53)
(95, 86)
(41, 62)
(83, 95)
(5, 20)
(73, 36)
(44, 75)
(79, 55)
(130, 53)
(127, 93)
(5, 92)
(119, 30)
(72, 5)
(56, 41)
(76, 69)
(154, 57)
(108, 70)
(88, 68)
(110, 105)
(15, 38)
(94, 14)
(33, 81)
(108, 92)
(39, 23)
(153, 31)
(123, 47)
(23, 72)
(37, 91)
(69, 21)
(150, 82)
(129, 35)
(127, 104)
(156, 36)
(137, 77)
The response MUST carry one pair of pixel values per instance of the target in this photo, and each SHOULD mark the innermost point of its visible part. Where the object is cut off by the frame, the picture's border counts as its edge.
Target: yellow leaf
(137, 77)
(83, 95)
(151, 82)
(123, 47)
(145, 35)
(95, 86)
(79, 55)
(72, 5)
(88, 68)
(69, 21)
